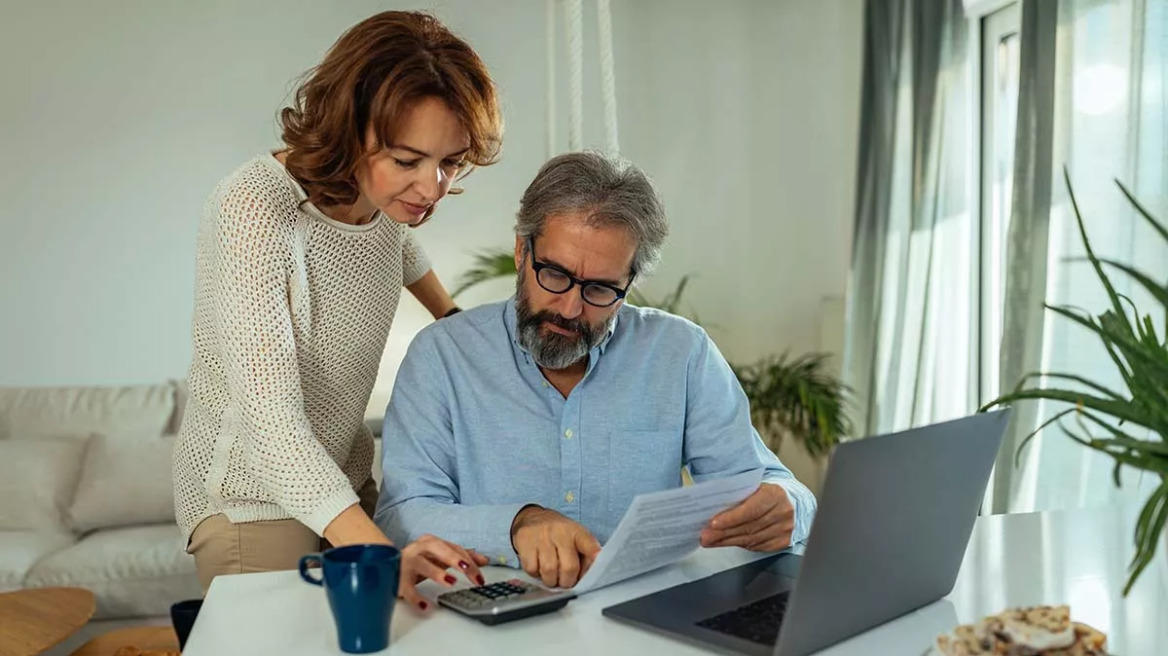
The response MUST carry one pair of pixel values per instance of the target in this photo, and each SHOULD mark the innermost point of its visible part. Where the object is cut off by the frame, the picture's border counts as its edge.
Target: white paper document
(661, 528)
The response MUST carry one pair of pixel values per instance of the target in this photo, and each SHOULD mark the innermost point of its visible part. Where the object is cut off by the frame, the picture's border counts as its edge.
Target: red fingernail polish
(463, 565)
(423, 605)
(451, 580)
(481, 580)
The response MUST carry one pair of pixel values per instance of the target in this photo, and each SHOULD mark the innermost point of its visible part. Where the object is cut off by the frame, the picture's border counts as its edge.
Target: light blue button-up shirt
(474, 432)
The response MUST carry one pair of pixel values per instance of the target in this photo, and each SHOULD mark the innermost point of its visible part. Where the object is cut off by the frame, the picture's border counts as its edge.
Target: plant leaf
(1152, 521)
(1141, 358)
(1123, 439)
(1156, 225)
(1090, 324)
(488, 265)
(1160, 292)
(1034, 433)
(1119, 409)
(797, 396)
(1090, 251)
(1071, 377)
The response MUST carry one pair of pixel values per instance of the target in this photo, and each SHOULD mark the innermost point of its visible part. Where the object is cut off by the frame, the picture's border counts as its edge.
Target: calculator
(505, 601)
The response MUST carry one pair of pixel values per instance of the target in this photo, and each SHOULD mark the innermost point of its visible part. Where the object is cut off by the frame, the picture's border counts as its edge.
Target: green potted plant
(1141, 356)
(797, 396)
(789, 396)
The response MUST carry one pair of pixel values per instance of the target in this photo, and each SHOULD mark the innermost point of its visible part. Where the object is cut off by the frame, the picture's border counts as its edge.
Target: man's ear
(520, 242)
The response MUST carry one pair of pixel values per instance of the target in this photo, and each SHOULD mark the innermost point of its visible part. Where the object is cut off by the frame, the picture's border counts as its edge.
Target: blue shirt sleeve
(420, 488)
(720, 439)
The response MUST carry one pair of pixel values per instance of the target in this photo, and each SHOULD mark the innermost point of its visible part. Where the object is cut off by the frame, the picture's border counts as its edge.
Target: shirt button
(568, 433)
(546, 384)
(569, 497)
(502, 560)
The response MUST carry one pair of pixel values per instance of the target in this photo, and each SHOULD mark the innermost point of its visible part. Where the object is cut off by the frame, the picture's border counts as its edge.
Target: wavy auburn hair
(372, 76)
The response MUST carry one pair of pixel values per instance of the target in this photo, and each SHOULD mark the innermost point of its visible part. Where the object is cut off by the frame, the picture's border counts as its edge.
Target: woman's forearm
(432, 295)
(353, 526)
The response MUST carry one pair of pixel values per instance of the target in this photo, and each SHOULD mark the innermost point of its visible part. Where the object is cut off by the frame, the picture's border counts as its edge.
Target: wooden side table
(35, 619)
(145, 640)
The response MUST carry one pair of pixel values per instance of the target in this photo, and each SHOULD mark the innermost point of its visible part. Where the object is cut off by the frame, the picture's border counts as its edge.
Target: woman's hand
(431, 558)
(427, 557)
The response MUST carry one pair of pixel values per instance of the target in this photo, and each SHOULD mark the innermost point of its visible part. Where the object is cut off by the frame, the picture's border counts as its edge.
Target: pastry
(1031, 631)
(1036, 629)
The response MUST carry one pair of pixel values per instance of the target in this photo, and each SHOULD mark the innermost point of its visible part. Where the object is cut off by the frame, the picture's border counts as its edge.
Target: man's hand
(763, 522)
(552, 547)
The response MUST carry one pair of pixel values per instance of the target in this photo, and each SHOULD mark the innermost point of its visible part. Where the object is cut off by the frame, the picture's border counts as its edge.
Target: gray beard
(551, 350)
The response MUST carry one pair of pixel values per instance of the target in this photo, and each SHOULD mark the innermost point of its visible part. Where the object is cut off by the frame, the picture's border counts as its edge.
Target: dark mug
(361, 582)
(182, 616)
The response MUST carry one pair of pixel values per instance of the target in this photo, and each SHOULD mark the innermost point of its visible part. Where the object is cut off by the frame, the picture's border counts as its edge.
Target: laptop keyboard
(758, 622)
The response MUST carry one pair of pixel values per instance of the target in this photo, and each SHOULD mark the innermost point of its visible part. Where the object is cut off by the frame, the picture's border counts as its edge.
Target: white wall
(119, 117)
(747, 114)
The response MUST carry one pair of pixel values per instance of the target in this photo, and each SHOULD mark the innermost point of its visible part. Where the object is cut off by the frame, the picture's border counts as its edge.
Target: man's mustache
(576, 325)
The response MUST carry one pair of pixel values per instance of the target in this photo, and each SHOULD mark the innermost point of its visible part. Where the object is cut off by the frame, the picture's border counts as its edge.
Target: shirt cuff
(493, 526)
(804, 508)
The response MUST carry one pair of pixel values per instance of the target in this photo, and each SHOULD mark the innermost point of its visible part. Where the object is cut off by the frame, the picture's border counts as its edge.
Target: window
(999, 111)
(1108, 124)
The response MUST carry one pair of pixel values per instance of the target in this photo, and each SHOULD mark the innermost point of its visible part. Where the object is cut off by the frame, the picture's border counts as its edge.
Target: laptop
(893, 522)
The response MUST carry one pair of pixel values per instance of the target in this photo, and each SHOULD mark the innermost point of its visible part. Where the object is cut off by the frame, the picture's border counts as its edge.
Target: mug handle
(304, 563)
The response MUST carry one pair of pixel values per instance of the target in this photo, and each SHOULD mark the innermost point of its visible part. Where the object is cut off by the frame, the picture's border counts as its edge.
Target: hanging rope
(607, 75)
(575, 24)
(551, 78)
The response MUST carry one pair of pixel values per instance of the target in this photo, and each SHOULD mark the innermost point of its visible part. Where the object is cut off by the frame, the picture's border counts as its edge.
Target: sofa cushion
(37, 479)
(124, 483)
(182, 395)
(377, 462)
(134, 411)
(134, 572)
(20, 550)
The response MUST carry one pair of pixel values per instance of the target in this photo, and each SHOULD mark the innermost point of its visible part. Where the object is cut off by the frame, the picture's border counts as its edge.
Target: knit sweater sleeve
(415, 264)
(252, 252)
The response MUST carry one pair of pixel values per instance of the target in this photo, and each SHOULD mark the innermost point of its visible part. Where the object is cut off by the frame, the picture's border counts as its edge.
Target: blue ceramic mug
(361, 582)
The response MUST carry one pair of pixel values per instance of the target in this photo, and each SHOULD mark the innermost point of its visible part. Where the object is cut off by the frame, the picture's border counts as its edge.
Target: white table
(1077, 557)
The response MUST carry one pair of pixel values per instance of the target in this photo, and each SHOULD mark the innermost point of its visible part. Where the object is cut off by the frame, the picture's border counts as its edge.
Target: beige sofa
(86, 499)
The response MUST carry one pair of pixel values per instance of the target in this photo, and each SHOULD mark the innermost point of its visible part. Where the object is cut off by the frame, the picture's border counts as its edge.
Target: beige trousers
(220, 547)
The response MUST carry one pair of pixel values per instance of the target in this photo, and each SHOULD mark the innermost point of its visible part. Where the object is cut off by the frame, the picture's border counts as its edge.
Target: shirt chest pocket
(641, 461)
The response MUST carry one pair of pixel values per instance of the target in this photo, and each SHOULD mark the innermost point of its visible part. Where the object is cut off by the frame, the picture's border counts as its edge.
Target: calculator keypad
(499, 590)
(505, 601)
(485, 596)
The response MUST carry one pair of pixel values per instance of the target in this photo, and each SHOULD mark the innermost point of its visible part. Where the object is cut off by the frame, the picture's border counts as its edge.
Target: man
(524, 429)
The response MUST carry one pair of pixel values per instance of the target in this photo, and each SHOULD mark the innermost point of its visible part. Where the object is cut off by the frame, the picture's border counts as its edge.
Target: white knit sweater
(292, 311)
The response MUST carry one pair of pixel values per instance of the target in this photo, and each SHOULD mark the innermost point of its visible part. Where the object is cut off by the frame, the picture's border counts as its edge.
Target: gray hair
(613, 192)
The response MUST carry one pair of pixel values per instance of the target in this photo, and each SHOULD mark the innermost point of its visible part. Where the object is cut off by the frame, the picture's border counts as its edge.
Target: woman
(301, 258)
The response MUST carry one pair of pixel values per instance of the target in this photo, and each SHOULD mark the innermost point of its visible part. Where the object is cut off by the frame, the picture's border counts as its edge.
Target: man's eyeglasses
(557, 281)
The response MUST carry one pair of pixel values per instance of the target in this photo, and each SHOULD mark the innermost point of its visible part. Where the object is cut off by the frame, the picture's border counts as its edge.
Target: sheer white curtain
(1110, 97)
(910, 307)
(1093, 98)
(1096, 91)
